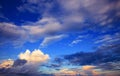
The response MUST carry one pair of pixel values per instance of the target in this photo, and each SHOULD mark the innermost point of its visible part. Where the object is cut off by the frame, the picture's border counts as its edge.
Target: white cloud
(108, 38)
(51, 39)
(36, 56)
(75, 42)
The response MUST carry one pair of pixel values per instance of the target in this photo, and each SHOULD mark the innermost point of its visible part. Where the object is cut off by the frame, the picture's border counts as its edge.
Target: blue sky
(59, 28)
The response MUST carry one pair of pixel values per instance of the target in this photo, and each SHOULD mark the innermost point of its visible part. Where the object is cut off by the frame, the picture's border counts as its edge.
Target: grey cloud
(19, 35)
(108, 53)
(97, 11)
(103, 12)
(110, 66)
(19, 62)
(76, 16)
(12, 33)
(20, 67)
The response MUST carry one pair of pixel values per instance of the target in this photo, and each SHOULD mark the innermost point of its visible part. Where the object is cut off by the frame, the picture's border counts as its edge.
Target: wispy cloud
(51, 39)
(77, 40)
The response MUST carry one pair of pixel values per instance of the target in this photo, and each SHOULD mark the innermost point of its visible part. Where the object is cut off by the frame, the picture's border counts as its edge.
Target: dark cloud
(110, 66)
(20, 67)
(101, 55)
(11, 33)
(19, 62)
(53, 65)
(26, 74)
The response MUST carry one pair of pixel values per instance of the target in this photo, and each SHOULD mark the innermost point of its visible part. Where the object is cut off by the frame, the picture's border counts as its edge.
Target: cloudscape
(59, 37)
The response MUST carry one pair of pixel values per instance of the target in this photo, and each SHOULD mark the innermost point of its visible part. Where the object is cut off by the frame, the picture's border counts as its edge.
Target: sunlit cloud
(27, 63)
(7, 63)
(34, 56)
(87, 67)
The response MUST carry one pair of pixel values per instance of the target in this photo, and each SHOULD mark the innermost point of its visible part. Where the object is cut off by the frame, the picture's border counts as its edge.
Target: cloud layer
(82, 16)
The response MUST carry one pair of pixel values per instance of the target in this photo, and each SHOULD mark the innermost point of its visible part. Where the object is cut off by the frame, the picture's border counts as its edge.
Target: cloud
(35, 6)
(10, 33)
(104, 54)
(18, 35)
(19, 62)
(43, 27)
(107, 39)
(78, 40)
(75, 42)
(110, 66)
(7, 63)
(51, 39)
(88, 67)
(87, 70)
(83, 16)
(34, 56)
(98, 11)
(27, 63)
(67, 72)
(78, 11)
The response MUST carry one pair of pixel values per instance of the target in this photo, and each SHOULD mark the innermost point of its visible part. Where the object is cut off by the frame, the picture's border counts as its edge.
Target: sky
(60, 37)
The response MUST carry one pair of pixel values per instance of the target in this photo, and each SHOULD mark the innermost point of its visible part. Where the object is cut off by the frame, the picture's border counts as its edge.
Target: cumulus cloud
(27, 63)
(34, 56)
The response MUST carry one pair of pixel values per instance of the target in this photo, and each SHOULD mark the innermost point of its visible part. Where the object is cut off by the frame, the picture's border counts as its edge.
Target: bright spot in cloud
(7, 63)
(34, 56)
(88, 67)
